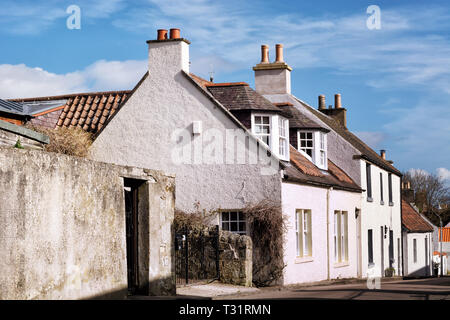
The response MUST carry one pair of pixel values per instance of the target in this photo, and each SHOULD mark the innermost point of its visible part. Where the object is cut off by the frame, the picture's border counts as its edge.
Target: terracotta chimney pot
(264, 53)
(279, 52)
(337, 101)
(175, 33)
(383, 154)
(322, 104)
(162, 34)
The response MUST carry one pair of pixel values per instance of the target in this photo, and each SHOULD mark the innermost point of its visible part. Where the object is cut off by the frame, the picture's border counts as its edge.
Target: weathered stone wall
(235, 258)
(62, 227)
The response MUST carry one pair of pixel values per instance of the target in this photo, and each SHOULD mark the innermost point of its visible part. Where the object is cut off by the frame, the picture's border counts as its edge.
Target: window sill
(341, 264)
(303, 260)
(369, 199)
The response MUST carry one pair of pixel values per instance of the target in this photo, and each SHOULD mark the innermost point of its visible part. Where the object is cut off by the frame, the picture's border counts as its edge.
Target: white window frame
(303, 233)
(258, 135)
(340, 236)
(238, 220)
(322, 150)
(299, 140)
(283, 137)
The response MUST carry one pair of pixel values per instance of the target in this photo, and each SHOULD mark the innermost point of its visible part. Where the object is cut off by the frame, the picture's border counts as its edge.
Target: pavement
(414, 289)
(214, 290)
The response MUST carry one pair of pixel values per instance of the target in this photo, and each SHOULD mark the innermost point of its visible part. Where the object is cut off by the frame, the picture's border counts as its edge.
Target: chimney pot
(337, 101)
(279, 53)
(383, 154)
(162, 34)
(175, 33)
(264, 53)
(322, 104)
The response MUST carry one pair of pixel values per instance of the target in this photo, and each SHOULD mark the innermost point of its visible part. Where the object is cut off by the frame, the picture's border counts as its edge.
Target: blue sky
(395, 81)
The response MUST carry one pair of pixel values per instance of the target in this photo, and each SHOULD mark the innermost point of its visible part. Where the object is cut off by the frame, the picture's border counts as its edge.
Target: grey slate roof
(12, 107)
(299, 120)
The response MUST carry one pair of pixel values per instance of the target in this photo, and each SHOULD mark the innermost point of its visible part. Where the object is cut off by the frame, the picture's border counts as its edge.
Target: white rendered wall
(140, 134)
(374, 215)
(420, 267)
(311, 269)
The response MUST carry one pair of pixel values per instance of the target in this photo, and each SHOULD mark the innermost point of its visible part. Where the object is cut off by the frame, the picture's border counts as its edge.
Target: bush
(70, 141)
(267, 226)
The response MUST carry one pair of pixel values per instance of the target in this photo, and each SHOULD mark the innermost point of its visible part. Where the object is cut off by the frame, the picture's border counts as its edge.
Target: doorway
(132, 203)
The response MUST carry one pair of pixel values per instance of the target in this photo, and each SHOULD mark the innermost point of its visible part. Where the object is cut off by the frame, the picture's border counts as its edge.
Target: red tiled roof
(412, 220)
(303, 164)
(445, 232)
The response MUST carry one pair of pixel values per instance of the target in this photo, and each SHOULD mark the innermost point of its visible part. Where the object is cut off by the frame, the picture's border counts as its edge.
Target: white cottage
(417, 243)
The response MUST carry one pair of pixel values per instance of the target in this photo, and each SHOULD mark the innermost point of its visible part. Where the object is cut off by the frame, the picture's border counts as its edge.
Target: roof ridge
(68, 96)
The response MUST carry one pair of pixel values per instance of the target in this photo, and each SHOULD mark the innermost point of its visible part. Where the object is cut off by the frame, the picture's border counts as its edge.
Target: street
(420, 289)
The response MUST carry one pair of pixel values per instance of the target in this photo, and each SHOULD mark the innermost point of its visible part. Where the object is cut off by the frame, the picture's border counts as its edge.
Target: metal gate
(197, 255)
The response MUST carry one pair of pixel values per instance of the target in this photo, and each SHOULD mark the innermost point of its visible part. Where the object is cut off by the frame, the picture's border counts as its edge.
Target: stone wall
(63, 235)
(235, 258)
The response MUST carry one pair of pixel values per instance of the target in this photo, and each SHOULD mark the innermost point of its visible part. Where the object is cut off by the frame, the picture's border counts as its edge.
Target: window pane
(266, 120)
(225, 216)
(233, 226)
(258, 120)
(233, 216)
(309, 144)
(309, 152)
(241, 226)
(225, 226)
(309, 135)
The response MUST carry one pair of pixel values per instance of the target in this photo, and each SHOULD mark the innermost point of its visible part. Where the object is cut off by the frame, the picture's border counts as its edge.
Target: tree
(431, 193)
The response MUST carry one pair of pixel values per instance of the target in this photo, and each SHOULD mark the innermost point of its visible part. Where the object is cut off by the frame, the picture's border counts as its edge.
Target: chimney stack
(383, 154)
(162, 34)
(322, 104)
(272, 77)
(337, 101)
(175, 33)
(264, 53)
(279, 52)
(167, 57)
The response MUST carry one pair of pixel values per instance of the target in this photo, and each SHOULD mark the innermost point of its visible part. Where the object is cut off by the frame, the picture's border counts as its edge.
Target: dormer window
(262, 128)
(273, 130)
(313, 145)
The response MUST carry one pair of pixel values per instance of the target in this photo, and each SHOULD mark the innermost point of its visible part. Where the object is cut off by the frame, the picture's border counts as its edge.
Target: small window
(306, 142)
(303, 233)
(340, 236)
(415, 250)
(381, 188)
(391, 202)
(234, 221)
(283, 136)
(369, 182)
(262, 128)
(370, 245)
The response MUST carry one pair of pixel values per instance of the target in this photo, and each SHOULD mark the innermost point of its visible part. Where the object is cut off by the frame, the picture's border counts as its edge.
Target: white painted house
(378, 211)
(230, 146)
(417, 243)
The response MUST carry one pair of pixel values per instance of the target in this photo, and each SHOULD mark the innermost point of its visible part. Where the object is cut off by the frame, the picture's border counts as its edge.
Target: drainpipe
(440, 235)
(328, 232)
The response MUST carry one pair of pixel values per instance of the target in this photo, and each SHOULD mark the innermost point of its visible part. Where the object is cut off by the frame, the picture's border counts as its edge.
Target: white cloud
(21, 81)
(34, 17)
(444, 173)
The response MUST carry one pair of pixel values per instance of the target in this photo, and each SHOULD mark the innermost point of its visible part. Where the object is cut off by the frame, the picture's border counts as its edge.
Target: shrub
(267, 226)
(70, 141)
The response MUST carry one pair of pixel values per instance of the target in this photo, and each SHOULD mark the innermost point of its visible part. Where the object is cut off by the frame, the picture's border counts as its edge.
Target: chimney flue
(279, 53)
(337, 101)
(175, 33)
(264, 53)
(162, 34)
(383, 154)
(322, 104)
